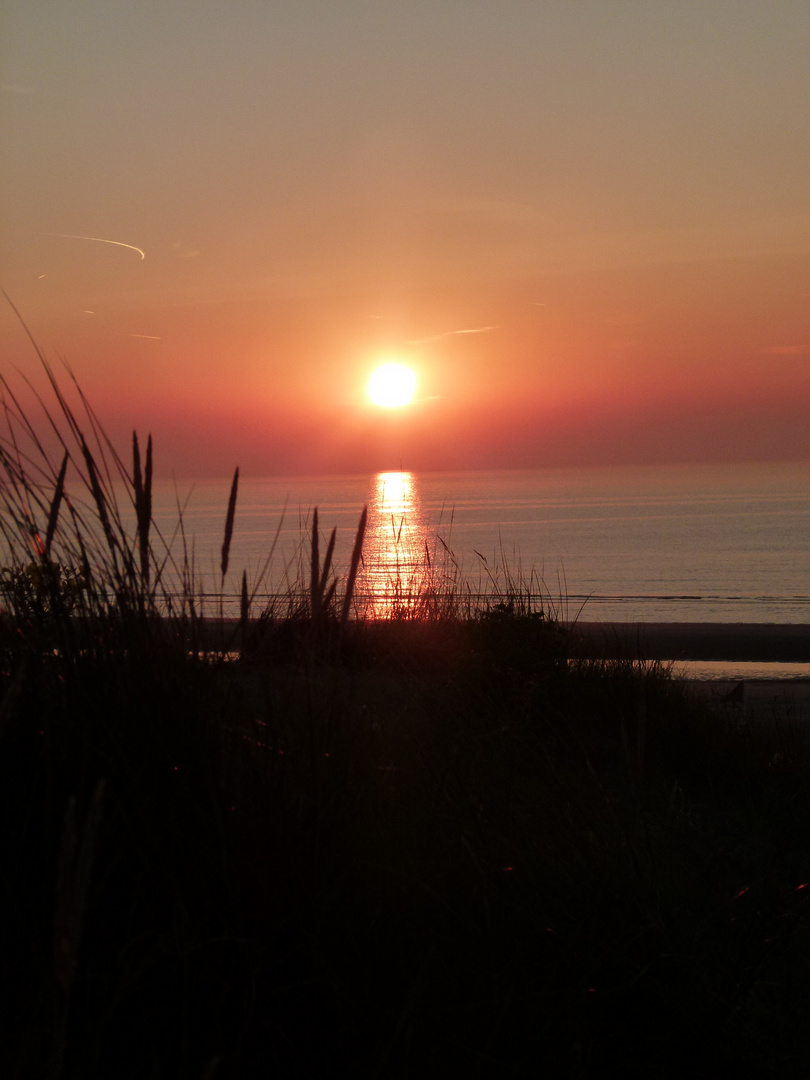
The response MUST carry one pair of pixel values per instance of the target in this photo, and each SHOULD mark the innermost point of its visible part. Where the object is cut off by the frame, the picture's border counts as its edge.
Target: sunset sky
(585, 224)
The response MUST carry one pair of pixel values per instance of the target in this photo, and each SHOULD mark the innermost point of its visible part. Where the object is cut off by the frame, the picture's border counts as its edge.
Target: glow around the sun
(392, 385)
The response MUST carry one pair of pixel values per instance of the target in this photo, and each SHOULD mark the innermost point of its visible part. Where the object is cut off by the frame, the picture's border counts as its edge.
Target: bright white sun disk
(392, 385)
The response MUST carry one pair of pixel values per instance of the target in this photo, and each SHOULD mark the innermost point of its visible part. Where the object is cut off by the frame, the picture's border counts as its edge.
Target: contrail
(98, 239)
(453, 333)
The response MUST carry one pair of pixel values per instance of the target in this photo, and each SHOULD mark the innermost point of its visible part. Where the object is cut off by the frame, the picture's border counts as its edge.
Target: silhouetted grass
(313, 844)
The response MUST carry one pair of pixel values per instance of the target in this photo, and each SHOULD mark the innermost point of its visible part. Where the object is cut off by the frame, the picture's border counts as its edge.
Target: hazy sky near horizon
(585, 224)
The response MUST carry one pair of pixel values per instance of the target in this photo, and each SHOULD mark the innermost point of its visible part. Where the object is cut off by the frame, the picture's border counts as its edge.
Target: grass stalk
(56, 503)
(143, 502)
(321, 593)
(354, 566)
(229, 519)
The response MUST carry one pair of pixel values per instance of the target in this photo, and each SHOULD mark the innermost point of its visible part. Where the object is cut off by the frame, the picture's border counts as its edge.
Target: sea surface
(656, 544)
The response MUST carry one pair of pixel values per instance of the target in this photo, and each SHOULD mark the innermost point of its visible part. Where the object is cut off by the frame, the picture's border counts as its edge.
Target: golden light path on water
(396, 563)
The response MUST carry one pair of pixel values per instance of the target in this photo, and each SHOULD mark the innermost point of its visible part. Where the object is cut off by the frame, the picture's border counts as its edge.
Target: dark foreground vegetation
(438, 844)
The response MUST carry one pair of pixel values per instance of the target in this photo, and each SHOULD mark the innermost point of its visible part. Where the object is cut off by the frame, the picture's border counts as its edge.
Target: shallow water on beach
(715, 670)
(668, 544)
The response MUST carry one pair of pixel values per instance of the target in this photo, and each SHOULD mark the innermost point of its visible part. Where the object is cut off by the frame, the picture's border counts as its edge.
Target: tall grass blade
(143, 501)
(319, 597)
(56, 502)
(226, 543)
(327, 565)
(99, 498)
(357, 552)
(327, 597)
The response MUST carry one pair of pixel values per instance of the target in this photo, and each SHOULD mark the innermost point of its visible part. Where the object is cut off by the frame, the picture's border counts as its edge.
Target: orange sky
(586, 226)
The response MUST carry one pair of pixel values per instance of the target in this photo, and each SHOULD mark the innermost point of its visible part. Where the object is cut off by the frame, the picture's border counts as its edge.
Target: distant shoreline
(729, 642)
(743, 642)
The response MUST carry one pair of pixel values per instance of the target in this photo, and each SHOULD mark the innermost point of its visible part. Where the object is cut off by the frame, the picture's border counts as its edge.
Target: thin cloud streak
(453, 333)
(98, 240)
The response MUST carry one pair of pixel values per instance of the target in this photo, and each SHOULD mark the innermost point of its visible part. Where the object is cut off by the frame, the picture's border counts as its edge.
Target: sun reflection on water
(396, 559)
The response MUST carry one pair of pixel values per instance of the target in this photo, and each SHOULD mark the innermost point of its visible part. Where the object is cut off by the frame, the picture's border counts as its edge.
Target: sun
(392, 385)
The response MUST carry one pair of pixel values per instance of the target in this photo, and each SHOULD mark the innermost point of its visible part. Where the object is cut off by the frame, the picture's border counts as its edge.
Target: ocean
(711, 543)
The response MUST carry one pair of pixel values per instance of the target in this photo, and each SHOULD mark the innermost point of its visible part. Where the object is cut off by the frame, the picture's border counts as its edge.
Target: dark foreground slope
(421, 847)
